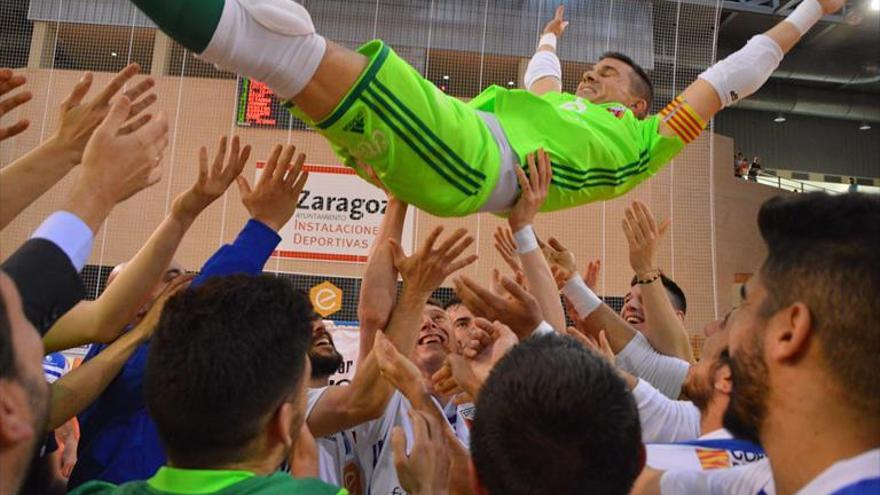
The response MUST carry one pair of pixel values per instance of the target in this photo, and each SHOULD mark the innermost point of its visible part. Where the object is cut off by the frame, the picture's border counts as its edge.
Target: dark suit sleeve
(48, 282)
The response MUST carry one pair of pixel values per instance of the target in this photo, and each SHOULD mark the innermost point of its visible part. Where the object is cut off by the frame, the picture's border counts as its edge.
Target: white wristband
(526, 241)
(805, 15)
(548, 39)
(543, 328)
(584, 300)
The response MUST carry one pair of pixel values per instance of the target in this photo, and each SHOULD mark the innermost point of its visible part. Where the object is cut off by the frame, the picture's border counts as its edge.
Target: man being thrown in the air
(452, 158)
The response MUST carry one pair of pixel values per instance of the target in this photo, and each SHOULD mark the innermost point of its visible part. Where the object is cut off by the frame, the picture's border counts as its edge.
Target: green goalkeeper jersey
(598, 151)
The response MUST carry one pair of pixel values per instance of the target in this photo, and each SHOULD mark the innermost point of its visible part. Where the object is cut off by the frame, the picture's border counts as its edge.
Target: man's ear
(16, 418)
(284, 425)
(790, 332)
(479, 489)
(640, 107)
(680, 314)
(723, 382)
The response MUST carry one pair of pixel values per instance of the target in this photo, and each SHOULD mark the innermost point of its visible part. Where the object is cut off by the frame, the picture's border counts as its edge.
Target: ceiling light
(114, 54)
(510, 83)
(445, 78)
(865, 126)
(875, 5)
(779, 119)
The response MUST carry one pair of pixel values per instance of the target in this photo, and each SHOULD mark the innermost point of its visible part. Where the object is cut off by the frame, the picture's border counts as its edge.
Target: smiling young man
(376, 109)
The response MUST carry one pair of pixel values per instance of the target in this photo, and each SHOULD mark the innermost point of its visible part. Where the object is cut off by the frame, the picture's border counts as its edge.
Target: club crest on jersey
(617, 111)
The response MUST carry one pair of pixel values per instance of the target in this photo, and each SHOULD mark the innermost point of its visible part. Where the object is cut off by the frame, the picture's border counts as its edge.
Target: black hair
(223, 357)
(433, 301)
(452, 301)
(554, 417)
(823, 252)
(7, 353)
(676, 295)
(642, 85)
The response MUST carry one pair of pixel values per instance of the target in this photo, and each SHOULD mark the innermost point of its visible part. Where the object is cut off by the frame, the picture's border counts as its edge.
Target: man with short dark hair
(462, 319)
(804, 345)
(554, 417)
(463, 158)
(225, 384)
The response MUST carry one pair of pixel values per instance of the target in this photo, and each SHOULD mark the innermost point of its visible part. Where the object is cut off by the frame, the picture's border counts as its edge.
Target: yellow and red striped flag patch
(683, 120)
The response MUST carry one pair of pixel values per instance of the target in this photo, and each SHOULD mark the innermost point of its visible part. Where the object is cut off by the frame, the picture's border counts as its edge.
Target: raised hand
(533, 190)
(489, 342)
(558, 24)
(560, 256)
(518, 309)
(425, 470)
(505, 244)
(114, 166)
(426, 269)
(8, 82)
(213, 180)
(147, 325)
(273, 200)
(400, 372)
(643, 236)
(79, 119)
(591, 278)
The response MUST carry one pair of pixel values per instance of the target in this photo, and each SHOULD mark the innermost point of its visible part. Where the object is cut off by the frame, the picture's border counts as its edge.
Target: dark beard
(748, 398)
(323, 365)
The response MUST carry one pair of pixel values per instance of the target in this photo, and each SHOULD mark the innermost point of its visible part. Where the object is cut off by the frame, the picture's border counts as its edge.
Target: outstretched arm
(27, 178)
(8, 82)
(340, 408)
(379, 284)
(73, 392)
(740, 74)
(544, 72)
(665, 330)
(533, 192)
(102, 320)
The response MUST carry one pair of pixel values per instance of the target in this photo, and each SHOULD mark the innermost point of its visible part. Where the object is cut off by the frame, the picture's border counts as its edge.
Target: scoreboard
(259, 107)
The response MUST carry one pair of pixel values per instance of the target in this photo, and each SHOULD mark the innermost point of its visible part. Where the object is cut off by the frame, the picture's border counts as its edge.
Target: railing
(790, 184)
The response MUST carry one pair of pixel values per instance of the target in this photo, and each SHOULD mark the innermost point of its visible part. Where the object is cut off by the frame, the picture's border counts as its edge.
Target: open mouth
(432, 338)
(633, 319)
(323, 342)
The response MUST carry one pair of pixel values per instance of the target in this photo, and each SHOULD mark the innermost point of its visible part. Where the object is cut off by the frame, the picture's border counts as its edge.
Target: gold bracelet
(653, 276)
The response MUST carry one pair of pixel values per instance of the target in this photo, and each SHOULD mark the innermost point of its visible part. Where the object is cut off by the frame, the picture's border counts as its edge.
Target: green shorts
(429, 149)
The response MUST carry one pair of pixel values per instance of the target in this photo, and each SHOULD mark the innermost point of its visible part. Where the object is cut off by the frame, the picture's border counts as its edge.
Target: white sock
(272, 41)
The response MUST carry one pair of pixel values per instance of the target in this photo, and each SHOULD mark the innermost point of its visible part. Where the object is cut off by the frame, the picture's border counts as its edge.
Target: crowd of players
(524, 384)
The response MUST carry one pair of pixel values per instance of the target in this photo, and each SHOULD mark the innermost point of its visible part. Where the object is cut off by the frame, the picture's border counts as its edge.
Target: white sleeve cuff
(584, 300)
(665, 373)
(543, 328)
(70, 233)
(542, 64)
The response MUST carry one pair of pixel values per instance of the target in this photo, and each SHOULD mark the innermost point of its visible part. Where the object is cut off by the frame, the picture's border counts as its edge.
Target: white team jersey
(751, 479)
(337, 458)
(462, 419)
(373, 446)
(715, 450)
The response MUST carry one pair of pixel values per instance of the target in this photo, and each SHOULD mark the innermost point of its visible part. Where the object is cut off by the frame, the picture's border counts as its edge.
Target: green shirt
(173, 481)
(598, 151)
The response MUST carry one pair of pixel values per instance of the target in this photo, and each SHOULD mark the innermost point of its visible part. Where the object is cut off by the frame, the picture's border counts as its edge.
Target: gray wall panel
(809, 144)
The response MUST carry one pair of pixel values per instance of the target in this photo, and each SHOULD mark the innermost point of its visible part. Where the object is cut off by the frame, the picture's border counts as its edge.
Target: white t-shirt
(665, 420)
(664, 372)
(715, 450)
(751, 479)
(337, 458)
(845, 473)
(373, 446)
